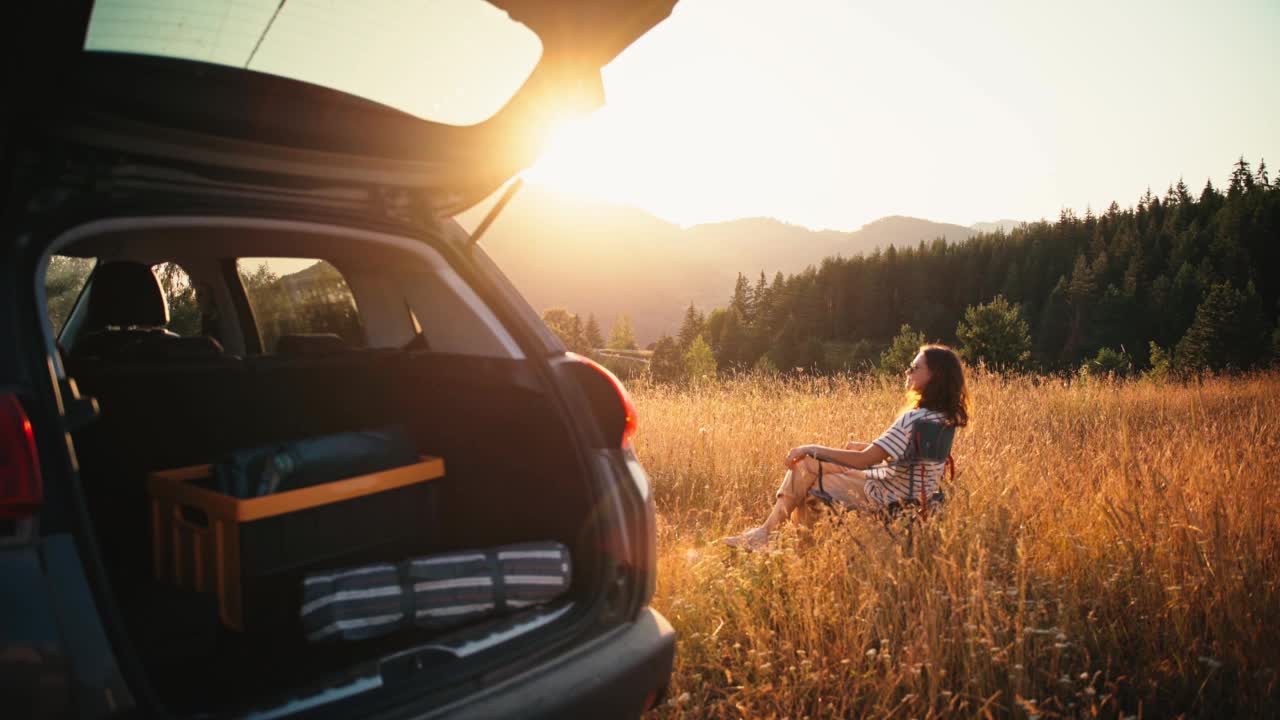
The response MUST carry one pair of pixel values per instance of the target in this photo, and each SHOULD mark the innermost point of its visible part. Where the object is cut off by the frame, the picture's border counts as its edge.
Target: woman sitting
(862, 475)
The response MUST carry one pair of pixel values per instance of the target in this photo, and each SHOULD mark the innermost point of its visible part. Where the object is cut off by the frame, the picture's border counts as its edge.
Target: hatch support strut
(512, 188)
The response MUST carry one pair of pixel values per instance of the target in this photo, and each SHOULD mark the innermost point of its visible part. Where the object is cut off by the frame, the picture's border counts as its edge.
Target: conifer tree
(694, 325)
(1241, 178)
(592, 332)
(1184, 197)
(760, 301)
(741, 300)
(1226, 334)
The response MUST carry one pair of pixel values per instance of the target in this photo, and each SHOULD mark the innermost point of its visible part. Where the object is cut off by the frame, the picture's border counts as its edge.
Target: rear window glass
(448, 61)
(300, 297)
(63, 282)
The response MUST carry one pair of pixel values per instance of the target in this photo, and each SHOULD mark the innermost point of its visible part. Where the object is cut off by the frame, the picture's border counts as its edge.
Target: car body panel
(55, 659)
(608, 677)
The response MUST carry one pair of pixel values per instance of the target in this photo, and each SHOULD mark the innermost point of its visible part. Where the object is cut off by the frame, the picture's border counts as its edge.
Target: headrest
(125, 294)
(309, 344)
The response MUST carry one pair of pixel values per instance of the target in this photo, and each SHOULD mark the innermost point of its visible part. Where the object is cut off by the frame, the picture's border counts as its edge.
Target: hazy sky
(831, 114)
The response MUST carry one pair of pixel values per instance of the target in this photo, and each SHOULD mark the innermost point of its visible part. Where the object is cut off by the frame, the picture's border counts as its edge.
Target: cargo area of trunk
(511, 475)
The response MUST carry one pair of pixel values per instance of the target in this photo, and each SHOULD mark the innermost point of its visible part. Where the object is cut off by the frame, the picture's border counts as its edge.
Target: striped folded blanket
(432, 592)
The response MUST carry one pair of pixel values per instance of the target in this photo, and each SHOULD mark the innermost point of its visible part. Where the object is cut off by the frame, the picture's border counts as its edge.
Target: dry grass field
(1109, 549)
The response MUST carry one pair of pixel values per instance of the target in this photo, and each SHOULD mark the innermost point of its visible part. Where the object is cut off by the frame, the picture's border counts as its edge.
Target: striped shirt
(891, 481)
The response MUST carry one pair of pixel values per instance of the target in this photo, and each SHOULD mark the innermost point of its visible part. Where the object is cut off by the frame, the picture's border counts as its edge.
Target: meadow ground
(1109, 549)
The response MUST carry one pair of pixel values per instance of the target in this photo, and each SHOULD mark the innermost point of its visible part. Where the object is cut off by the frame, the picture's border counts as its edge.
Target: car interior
(293, 331)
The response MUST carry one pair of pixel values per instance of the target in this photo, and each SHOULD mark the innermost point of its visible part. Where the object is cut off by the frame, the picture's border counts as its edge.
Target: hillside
(1005, 225)
(601, 259)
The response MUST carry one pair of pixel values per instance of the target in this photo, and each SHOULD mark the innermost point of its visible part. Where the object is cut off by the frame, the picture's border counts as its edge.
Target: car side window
(293, 297)
(63, 282)
(184, 303)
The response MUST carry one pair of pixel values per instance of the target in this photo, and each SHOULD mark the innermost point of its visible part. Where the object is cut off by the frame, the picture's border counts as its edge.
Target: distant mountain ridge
(1005, 225)
(596, 258)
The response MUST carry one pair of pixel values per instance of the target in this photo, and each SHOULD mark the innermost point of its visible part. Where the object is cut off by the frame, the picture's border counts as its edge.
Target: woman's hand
(797, 454)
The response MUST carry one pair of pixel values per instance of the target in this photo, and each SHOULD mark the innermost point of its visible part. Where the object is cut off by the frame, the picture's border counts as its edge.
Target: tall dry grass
(1109, 548)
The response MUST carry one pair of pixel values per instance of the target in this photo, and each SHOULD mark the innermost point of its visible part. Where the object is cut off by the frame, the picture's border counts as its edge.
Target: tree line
(1180, 283)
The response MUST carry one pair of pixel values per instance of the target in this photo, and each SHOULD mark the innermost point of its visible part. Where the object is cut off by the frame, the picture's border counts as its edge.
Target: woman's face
(918, 374)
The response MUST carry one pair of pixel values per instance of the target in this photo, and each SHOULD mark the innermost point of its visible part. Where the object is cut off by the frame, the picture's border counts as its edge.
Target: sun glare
(635, 158)
(573, 161)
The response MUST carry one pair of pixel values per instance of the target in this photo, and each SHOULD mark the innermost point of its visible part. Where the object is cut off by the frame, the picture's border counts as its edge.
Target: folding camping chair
(930, 444)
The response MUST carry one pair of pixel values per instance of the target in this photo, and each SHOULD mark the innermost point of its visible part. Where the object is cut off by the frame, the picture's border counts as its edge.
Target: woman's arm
(864, 458)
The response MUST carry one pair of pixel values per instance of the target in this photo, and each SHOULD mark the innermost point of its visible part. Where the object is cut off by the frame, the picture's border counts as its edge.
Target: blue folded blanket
(279, 467)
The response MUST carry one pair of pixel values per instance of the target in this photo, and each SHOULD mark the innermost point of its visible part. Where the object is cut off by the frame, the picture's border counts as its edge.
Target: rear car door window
(63, 283)
(293, 297)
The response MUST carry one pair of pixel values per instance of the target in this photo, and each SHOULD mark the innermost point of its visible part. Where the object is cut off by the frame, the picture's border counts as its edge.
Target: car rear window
(453, 62)
(448, 61)
(292, 297)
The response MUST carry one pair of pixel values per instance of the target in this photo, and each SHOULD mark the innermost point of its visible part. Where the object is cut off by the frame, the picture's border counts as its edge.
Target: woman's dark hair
(946, 391)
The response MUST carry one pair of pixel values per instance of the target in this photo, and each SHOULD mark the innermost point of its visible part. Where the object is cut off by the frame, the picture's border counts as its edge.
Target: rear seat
(295, 396)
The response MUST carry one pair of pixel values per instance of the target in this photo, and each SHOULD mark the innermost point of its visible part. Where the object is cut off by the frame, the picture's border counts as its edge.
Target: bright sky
(832, 114)
(816, 112)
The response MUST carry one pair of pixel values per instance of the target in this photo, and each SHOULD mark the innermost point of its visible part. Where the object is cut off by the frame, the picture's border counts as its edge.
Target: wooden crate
(203, 539)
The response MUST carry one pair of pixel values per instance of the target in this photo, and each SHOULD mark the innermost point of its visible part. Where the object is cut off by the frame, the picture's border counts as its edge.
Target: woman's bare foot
(753, 539)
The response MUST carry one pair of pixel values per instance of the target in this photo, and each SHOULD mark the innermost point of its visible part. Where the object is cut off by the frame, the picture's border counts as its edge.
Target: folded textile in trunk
(279, 467)
(433, 591)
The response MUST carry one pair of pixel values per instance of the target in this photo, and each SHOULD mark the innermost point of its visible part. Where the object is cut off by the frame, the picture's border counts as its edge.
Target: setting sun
(571, 162)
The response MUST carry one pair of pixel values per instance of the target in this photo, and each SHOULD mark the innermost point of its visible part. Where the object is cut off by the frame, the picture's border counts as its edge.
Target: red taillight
(650, 700)
(21, 490)
(629, 429)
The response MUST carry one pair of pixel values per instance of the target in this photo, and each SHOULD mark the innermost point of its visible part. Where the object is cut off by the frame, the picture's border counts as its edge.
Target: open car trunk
(512, 474)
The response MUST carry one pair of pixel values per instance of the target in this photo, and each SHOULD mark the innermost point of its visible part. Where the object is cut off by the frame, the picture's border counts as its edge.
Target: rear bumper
(609, 677)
